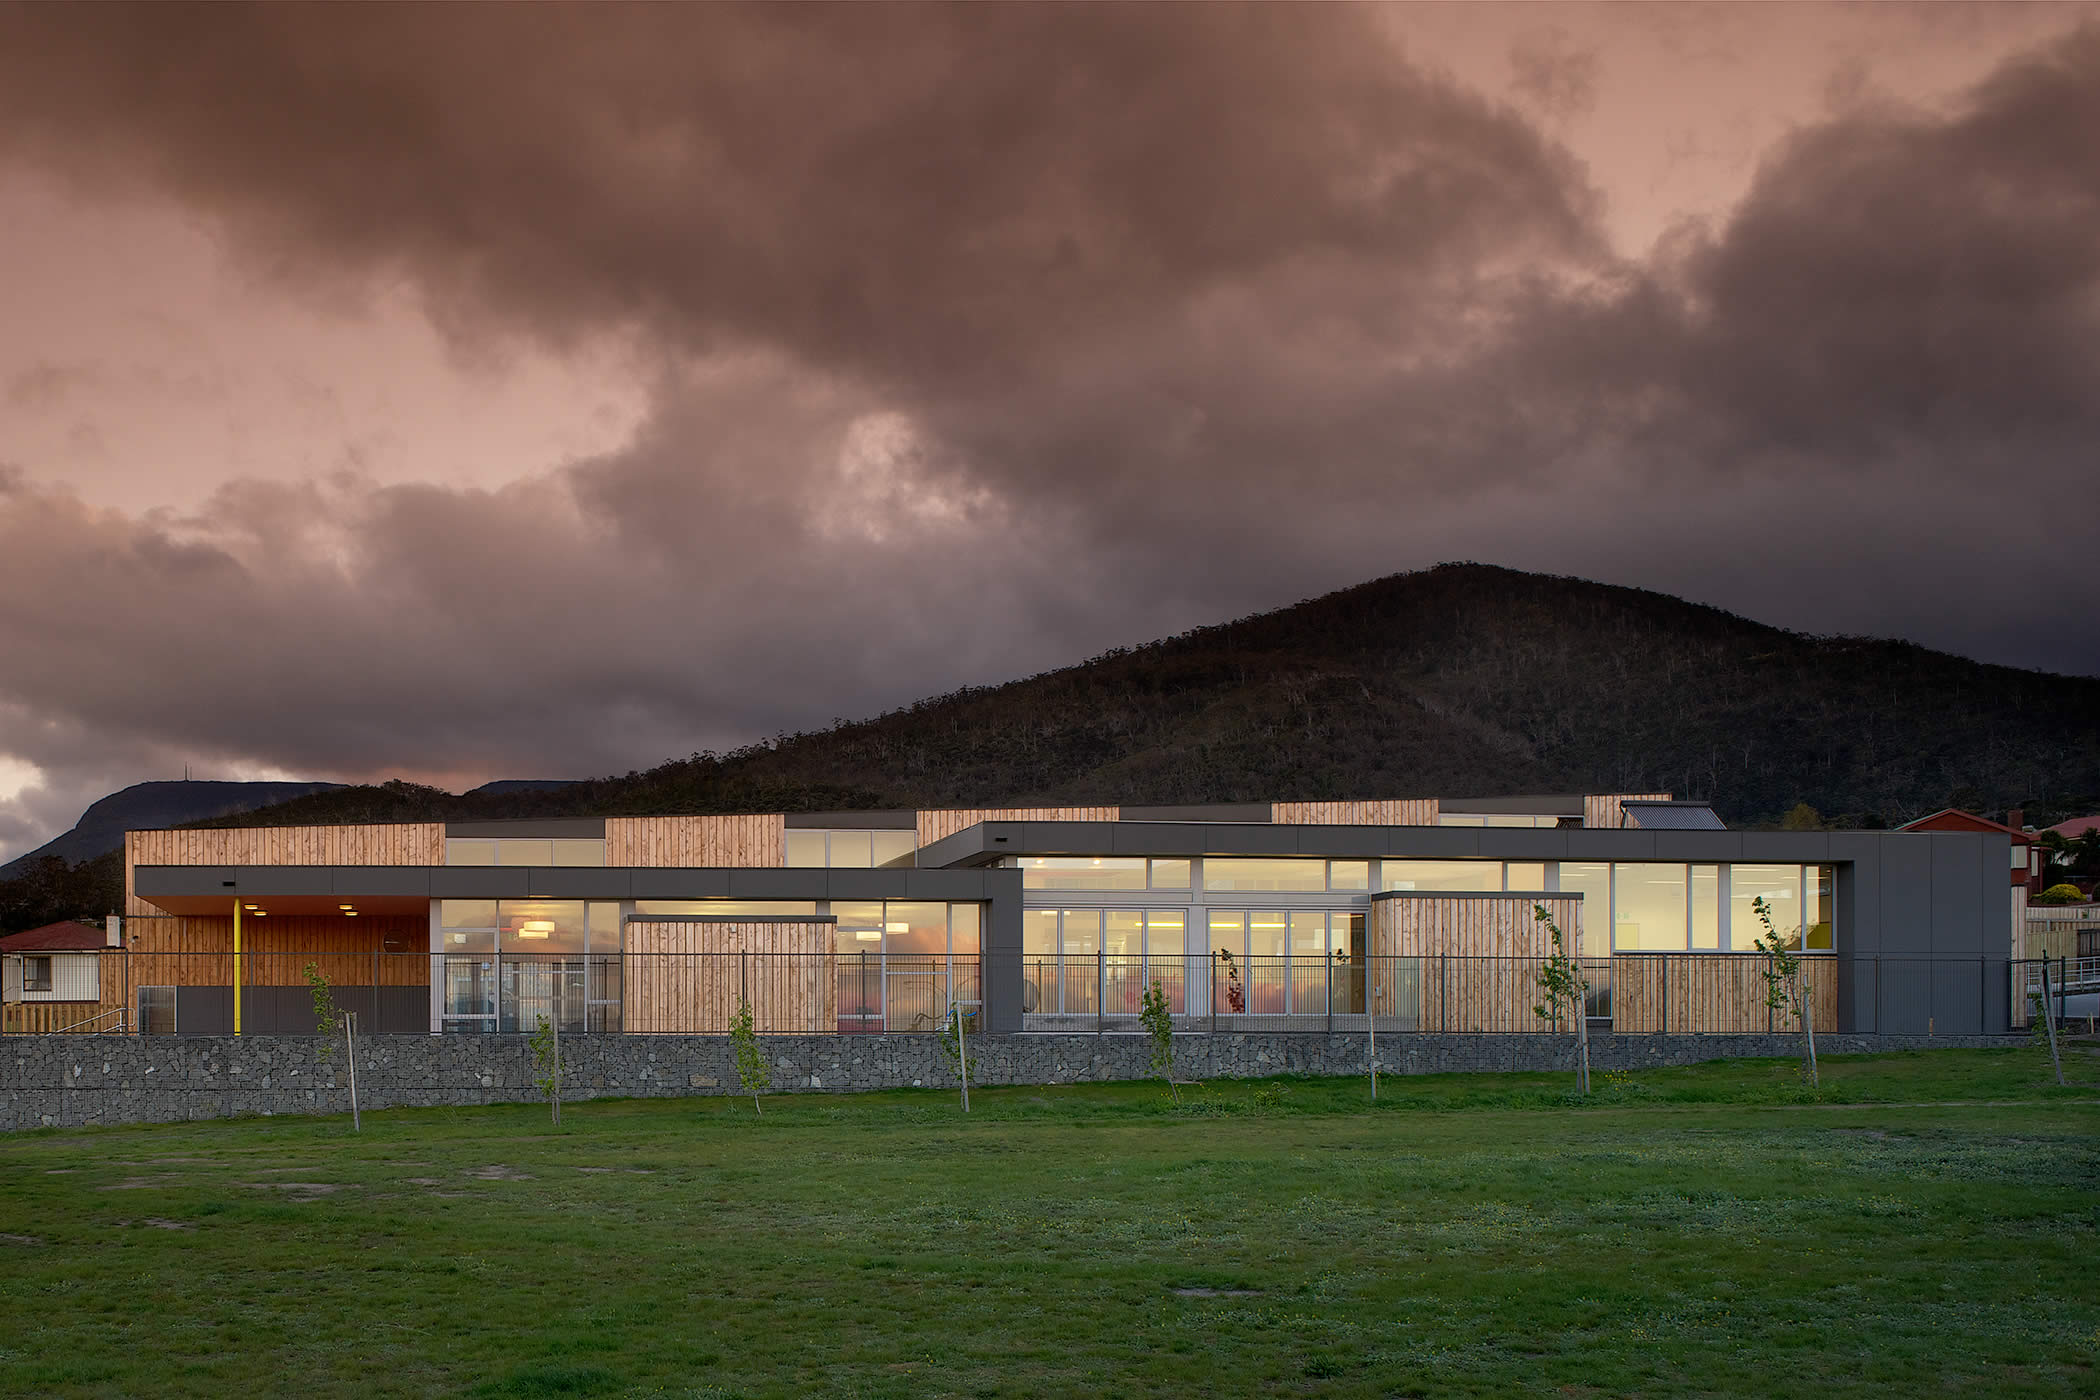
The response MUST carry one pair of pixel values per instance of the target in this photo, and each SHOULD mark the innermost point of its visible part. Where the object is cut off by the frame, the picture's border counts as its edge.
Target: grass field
(1929, 1224)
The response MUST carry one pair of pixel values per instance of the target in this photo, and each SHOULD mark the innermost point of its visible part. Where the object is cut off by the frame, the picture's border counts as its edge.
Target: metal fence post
(1100, 990)
(1665, 993)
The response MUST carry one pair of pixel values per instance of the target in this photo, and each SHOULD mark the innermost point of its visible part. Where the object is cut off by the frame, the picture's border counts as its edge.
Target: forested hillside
(1460, 680)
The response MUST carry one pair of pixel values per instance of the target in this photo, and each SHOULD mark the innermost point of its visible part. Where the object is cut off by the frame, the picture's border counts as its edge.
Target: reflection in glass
(466, 852)
(1528, 876)
(1780, 888)
(1820, 896)
(1170, 874)
(893, 846)
(1349, 875)
(1591, 880)
(510, 852)
(805, 848)
(1463, 876)
(1082, 873)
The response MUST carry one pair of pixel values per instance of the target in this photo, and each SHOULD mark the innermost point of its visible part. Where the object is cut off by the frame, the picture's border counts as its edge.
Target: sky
(469, 392)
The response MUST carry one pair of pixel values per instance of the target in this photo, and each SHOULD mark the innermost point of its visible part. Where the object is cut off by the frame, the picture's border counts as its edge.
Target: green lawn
(1929, 1224)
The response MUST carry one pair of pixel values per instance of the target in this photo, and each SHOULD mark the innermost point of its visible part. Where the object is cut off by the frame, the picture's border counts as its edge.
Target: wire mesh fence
(876, 991)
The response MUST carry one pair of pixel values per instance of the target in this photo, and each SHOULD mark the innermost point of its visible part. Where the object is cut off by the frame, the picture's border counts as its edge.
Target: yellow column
(236, 967)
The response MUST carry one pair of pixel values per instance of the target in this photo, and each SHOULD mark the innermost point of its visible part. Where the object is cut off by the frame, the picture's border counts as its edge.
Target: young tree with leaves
(1566, 992)
(1159, 1024)
(955, 1054)
(752, 1072)
(1786, 989)
(546, 1064)
(327, 1020)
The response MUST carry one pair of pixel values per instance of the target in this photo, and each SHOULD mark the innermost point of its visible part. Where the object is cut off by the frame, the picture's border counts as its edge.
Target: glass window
(464, 852)
(1170, 874)
(1462, 876)
(727, 908)
(1591, 880)
(1082, 932)
(524, 852)
(893, 845)
(1349, 875)
(1228, 932)
(915, 928)
(543, 925)
(1166, 934)
(1819, 893)
(851, 850)
(1706, 907)
(579, 852)
(1780, 888)
(1246, 874)
(964, 925)
(467, 913)
(1648, 908)
(805, 848)
(1528, 876)
(1039, 931)
(1082, 873)
(605, 928)
(1267, 934)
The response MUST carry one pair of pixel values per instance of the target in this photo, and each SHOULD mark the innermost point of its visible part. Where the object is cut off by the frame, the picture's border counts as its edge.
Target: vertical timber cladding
(696, 842)
(396, 843)
(1399, 811)
(1480, 958)
(683, 976)
(387, 950)
(936, 825)
(1711, 993)
(1606, 811)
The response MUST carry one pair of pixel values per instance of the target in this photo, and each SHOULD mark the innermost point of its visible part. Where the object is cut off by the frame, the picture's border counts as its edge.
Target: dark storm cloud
(989, 336)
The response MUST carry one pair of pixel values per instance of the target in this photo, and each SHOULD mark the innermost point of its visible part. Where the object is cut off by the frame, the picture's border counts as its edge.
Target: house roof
(2076, 827)
(1954, 819)
(67, 935)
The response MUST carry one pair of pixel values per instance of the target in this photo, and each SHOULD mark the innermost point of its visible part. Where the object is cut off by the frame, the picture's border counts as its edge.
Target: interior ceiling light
(535, 928)
(347, 908)
(349, 913)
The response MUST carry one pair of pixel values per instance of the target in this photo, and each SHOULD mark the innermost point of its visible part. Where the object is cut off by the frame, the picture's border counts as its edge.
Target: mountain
(1461, 680)
(101, 828)
(1457, 681)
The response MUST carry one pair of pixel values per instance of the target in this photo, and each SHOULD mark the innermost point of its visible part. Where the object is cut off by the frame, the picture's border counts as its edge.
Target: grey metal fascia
(532, 828)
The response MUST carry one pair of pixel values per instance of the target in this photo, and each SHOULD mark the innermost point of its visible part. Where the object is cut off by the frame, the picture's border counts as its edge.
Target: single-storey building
(51, 979)
(1425, 913)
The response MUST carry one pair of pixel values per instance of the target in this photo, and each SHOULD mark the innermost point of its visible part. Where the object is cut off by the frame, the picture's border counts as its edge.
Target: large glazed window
(463, 850)
(1461, 876)
(902, 964)
(1648, 914)
(1779, 886)
(510, 962)
(849, 848)
(1243, 874)
(1085, 873)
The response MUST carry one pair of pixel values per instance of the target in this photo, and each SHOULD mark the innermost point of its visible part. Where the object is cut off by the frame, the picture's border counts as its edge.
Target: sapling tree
(1159, 1024)
(753, 1074)
(1565, 992)
(1786, 989)
(1235, 994)
(327, 1020)
(955, 1054)
(546, 1064)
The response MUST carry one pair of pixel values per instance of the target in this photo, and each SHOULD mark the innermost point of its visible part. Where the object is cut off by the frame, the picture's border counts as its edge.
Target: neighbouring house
(52, 979)
(1295, 915)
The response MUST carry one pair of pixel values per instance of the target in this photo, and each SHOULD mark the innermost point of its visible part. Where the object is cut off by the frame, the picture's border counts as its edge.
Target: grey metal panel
(571, 828)
(1002, 957)
(1696, 845)
(1673, 816)
(670, 882)
(790, 883)
(186, 881)
(258, 880)
(1957, 996)
(371, 880)
(1227, 840)
(480, 882)
(1349, 842)
(203, 1010)
(1516, 843)
(904, 820)
(1438, 842)
(1067, 838)
(1906, 898)
(1608, 844)
(965, 885)
(1859, 904)
(1156, 839)
(581, 882)
(1957, 912)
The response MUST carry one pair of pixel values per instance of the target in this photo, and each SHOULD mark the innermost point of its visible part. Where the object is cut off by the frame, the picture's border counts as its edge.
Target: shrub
(2061, 894)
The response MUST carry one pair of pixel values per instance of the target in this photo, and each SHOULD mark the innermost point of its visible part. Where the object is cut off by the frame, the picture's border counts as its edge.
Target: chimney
(2017, 819)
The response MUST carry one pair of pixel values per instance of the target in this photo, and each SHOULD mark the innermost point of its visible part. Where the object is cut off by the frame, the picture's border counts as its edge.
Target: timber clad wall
(1495, 991)
(933, 826)
(1605, 811)
(699, 842)
(1711, 992)
(1404, 811)
(176, 950)
(682, 975)
(401, 843)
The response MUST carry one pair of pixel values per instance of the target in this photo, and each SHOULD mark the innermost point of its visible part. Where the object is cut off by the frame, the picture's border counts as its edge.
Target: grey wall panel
(1906, 896)
(204, 1010)
(1155, 838)
(1903, 994)
(1002, 963)
(1438, 842)
(898, 819)
(480, 882)
(1250, 840)
(580, 882)
(1519, 844)
(1703, 847)
(670, 883)
(1344, 842)
(1957, 897)
(1609, 845)
(793, 883)
(1957, 996)
(371, 880)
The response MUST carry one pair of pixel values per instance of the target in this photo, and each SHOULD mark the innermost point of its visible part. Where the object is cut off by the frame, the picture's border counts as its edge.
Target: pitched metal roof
(67, 935)
(1673, 816)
